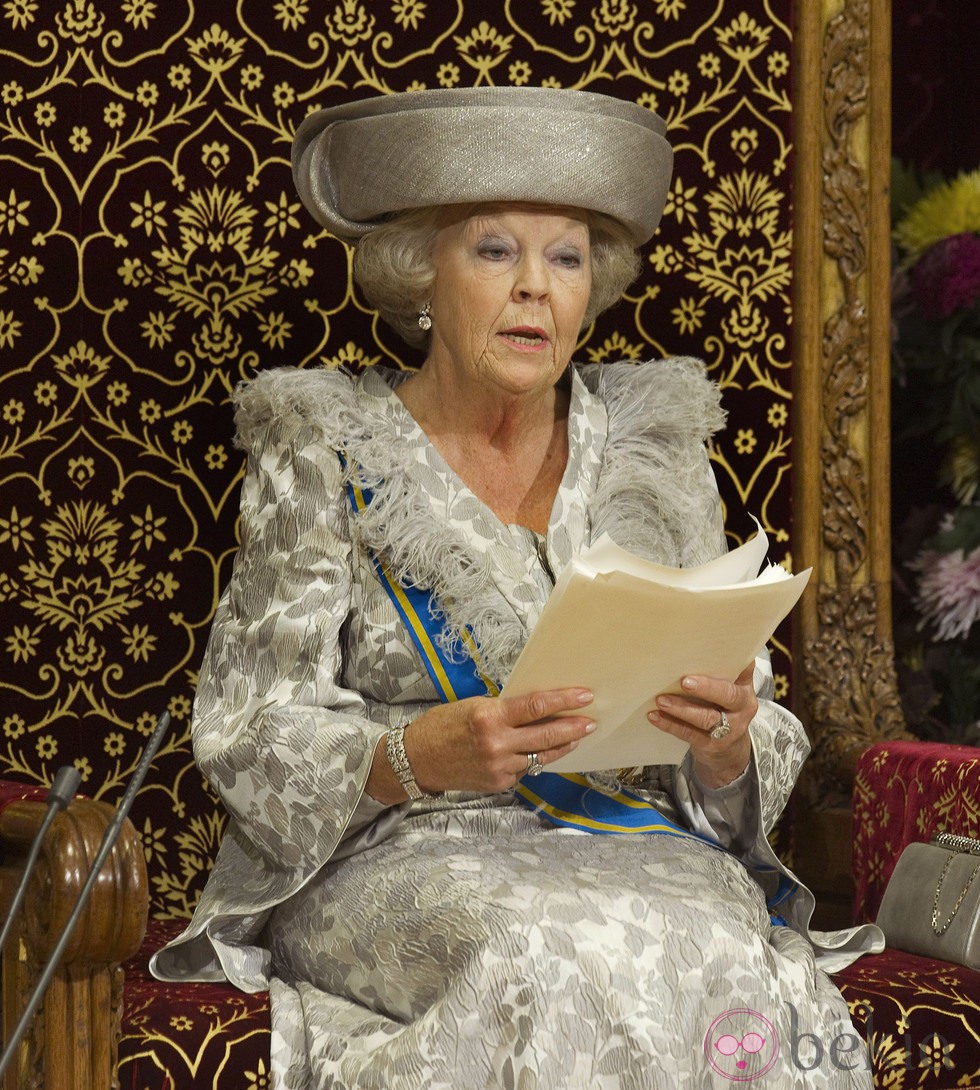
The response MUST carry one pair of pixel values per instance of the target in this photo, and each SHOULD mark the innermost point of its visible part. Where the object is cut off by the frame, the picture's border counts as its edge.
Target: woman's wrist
(382, 783)
(391, 780)
(717, 774)
(400, 764)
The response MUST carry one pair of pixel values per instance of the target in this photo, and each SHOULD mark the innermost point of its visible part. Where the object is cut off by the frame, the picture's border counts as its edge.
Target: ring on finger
(534, 765)
(722, 729)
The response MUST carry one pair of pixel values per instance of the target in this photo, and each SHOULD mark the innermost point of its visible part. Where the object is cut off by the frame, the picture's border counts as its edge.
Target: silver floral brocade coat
(397, 940)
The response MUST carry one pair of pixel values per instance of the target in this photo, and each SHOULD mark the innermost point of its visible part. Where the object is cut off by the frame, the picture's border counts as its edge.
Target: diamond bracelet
(398, 759)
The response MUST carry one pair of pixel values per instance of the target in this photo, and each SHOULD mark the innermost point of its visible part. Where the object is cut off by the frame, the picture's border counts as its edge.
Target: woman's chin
(519, 373)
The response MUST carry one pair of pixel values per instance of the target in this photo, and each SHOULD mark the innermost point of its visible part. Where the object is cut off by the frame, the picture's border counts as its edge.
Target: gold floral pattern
(190, 1036)
(153, 254)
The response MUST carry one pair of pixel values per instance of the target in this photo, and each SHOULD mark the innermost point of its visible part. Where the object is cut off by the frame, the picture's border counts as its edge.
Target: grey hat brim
(356, 164)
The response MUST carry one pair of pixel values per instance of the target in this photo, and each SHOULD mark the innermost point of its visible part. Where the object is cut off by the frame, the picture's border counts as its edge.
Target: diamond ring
(534, 766)
(723, 729)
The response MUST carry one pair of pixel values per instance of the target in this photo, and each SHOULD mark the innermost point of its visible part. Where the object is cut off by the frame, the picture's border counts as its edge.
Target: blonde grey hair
(393, 266)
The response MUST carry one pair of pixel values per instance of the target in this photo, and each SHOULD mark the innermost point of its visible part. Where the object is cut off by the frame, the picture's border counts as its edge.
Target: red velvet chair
(920, 1016)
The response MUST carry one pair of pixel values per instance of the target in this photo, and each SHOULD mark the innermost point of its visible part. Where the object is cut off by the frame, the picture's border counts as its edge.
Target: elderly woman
(418, 925)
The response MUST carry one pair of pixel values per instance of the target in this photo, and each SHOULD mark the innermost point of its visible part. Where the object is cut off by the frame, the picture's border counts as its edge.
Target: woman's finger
(544, 757)
(535, 707)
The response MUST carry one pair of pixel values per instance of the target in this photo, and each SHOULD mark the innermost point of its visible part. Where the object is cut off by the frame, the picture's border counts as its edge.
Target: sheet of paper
(736, 566)
(629, 637)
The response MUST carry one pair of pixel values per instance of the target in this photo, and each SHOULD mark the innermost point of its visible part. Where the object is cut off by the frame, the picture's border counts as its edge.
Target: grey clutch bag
(931, 905)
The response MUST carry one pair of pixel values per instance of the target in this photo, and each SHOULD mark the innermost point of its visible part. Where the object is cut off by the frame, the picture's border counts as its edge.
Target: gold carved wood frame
(844, 663)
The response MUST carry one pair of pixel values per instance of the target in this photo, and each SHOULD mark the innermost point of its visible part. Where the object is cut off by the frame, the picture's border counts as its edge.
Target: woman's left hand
(699, 717)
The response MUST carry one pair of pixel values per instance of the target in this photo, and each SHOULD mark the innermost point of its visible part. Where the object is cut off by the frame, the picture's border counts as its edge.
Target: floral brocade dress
(465, 942)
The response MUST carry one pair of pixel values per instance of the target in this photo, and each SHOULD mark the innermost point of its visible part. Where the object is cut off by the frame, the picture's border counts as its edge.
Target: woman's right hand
(483, 743)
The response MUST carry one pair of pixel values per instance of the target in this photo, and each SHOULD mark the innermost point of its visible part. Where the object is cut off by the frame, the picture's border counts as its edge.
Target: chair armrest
(906, 792)
(72, 1042)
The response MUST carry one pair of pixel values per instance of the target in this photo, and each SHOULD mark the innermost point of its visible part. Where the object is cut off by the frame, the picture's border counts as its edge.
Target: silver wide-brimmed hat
(356, 164)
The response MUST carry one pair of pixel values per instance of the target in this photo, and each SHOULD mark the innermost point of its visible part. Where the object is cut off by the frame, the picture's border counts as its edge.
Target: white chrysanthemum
(949, 591)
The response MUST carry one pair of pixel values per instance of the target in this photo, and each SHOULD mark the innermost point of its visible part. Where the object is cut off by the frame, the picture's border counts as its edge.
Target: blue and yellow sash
(571, 800)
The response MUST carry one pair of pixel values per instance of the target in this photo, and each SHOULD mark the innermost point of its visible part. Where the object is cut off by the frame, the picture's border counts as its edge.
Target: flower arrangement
(936, 452)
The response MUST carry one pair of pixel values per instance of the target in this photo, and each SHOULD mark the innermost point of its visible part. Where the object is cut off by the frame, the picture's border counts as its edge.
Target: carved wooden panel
(849, 693)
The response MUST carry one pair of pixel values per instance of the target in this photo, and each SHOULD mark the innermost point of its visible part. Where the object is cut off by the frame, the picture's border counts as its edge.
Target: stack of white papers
(629, 629)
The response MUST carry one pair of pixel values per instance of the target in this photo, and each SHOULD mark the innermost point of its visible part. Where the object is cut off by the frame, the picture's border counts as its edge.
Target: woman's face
(511, 289)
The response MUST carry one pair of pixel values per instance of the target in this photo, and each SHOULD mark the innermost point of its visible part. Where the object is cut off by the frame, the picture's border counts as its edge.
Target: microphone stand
(109, 838)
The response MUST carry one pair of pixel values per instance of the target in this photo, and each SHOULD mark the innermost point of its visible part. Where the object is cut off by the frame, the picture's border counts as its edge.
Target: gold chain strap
(941, 929)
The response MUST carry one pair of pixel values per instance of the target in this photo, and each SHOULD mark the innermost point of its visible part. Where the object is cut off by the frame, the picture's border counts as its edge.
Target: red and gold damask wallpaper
(153, 254)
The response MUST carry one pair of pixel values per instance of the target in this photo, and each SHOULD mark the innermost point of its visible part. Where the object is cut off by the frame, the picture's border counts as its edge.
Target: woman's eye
(493, 251)
(570, 259)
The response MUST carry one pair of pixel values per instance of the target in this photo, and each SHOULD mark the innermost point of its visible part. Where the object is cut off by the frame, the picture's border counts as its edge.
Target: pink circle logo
(741, 1044)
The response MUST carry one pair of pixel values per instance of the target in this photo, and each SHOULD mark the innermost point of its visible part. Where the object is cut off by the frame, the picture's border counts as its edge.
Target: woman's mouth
(526, 337)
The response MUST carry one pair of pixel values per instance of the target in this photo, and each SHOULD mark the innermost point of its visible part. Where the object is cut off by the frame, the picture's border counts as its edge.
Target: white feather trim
(653, 495)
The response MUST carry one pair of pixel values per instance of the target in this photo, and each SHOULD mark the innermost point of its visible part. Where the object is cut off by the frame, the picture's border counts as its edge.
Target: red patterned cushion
(10, 791)
(190, 1036)
(905, 792)
(921, 1019)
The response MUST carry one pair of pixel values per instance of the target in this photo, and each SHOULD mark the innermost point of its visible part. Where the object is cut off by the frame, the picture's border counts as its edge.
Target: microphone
(66, 781)
(109, 838)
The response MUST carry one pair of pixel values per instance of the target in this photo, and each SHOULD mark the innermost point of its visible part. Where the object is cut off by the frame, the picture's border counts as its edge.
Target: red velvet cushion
(921, 1018)
(190, 1036)
(10, 791)
(905, 792)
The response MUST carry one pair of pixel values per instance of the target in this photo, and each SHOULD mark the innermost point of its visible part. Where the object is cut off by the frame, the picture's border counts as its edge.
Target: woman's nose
(531, 283)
